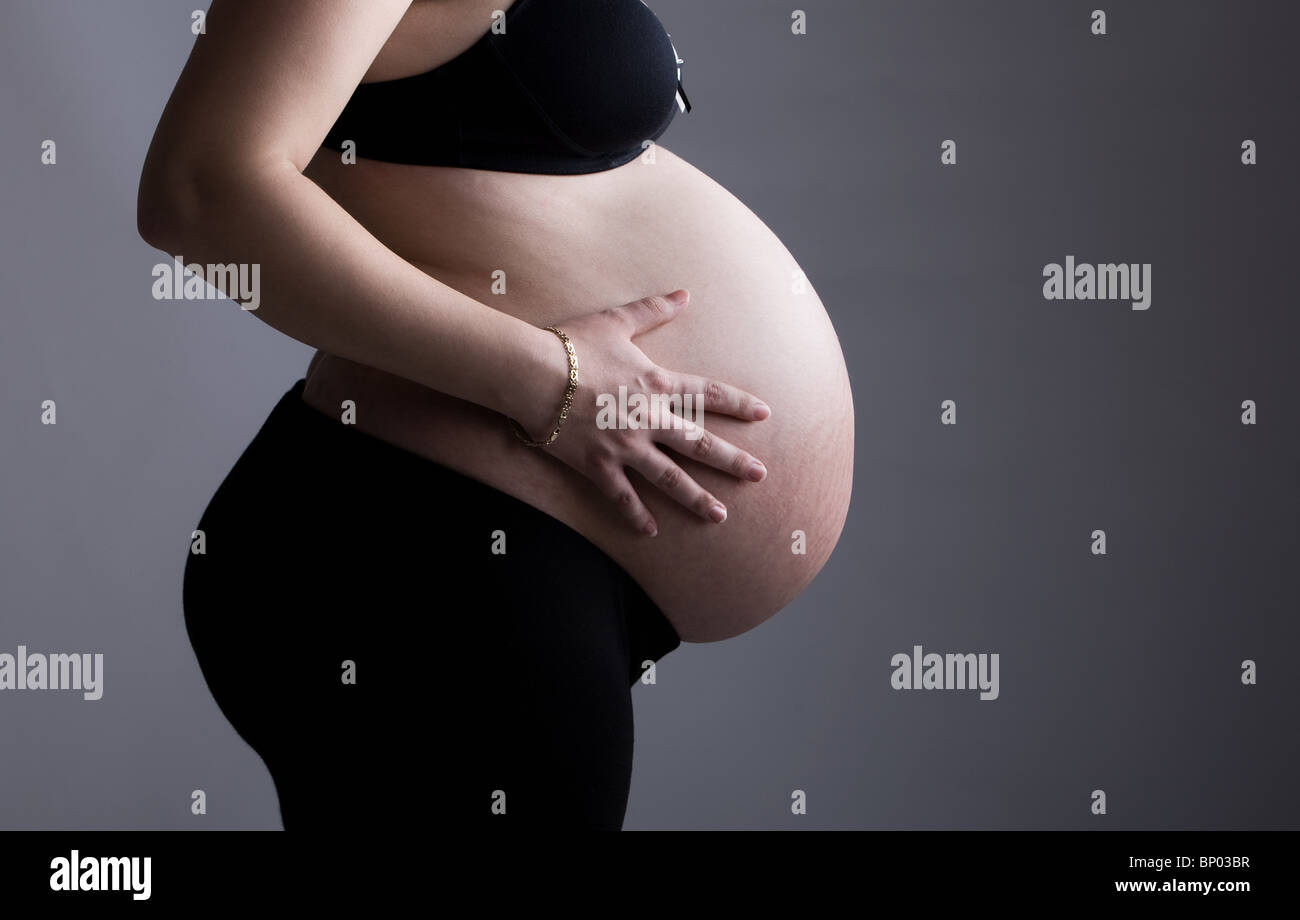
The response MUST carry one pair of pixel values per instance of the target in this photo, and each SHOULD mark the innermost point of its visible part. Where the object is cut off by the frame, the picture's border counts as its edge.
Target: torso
(570, 245)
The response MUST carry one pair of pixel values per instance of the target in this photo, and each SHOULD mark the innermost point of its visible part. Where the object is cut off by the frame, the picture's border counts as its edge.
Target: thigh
(558, 734)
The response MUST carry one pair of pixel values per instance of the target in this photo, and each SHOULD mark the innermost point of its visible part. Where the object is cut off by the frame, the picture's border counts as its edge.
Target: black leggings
(490, 689)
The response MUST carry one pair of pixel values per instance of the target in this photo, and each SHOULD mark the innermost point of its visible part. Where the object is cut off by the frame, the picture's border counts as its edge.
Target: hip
(324, 536)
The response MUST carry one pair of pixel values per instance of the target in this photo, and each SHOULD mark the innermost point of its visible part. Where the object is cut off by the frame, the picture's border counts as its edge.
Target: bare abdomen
(568, 245)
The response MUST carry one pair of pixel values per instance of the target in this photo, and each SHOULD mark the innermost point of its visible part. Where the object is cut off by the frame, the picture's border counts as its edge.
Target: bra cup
(571, 87)
(602, 72)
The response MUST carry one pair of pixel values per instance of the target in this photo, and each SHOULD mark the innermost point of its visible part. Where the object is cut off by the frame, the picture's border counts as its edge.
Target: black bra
(569, 86)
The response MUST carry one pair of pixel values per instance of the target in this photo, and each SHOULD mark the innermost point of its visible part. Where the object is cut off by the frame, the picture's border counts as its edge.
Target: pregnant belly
(547, 248)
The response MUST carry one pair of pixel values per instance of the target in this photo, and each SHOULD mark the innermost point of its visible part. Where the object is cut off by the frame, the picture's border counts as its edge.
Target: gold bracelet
(568, 396)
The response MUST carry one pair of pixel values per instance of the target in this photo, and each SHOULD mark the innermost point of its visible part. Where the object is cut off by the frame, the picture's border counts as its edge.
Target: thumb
(649, 312)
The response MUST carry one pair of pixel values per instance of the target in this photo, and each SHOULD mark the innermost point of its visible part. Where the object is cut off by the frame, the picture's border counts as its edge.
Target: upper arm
(267, 80)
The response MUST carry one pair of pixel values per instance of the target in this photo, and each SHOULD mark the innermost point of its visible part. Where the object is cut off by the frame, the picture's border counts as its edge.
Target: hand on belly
(623, 405)
(572, 253)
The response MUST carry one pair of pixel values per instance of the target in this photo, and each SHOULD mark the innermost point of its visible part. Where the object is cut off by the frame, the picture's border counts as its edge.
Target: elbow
(177, 195)
(183, 199)
(151, 219)
(166, 205)
(153, 223)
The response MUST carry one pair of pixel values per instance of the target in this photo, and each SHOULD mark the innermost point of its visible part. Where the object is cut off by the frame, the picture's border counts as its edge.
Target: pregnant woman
(427, 586)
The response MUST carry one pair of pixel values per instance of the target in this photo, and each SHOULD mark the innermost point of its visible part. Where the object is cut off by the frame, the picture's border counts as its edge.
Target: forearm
(328, 282)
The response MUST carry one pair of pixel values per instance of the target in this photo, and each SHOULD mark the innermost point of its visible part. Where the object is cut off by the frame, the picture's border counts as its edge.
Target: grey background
(1118, 672)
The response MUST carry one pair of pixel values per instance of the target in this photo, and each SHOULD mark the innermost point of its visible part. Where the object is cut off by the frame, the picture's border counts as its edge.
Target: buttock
(354, 596)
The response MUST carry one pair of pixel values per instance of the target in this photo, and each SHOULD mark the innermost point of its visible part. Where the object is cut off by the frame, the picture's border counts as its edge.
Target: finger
(659, 469)
(694, 441)
(614, 485)
(648, 312)
(709, 395)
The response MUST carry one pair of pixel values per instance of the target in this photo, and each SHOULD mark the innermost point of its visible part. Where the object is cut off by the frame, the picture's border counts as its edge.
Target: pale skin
(223, 182)
(385, 269)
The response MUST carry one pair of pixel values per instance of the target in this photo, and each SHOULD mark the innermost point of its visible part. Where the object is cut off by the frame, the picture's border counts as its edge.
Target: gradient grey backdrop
(1118, 672)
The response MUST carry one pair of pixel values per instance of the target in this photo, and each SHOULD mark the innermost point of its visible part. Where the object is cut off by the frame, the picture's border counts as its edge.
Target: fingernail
(651, 529)
(761, 411)
(757, 472)
(717, 514)
(678, 297)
